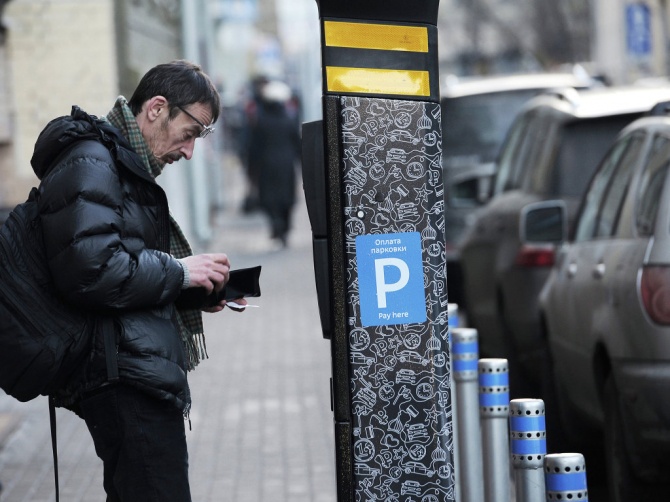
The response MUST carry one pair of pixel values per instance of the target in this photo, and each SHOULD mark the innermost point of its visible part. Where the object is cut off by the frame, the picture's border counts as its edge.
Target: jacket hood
(63, 132)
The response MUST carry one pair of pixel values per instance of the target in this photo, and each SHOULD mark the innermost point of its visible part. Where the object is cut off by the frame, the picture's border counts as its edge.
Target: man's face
(171, 140)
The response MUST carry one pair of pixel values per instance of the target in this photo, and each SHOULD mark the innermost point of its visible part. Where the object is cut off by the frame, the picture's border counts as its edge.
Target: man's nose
(187, 149)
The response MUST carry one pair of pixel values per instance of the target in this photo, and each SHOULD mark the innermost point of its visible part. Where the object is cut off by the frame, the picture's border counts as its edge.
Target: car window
(651, 184)
(540, 138)
(586, 225)
(475, 126)
(526, 140)
(616, 190)
(582, 145)
(509, 161)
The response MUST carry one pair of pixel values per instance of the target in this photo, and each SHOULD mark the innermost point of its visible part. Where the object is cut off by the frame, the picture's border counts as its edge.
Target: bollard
(465, 353)
(565, 477)
(529, 446)
(454, 320)
(494, 410)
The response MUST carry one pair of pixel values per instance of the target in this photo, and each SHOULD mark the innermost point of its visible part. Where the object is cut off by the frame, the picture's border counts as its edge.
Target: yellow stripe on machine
(376, 36)
(378, 81)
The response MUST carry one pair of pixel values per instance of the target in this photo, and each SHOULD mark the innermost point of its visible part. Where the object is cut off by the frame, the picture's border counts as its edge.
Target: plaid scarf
(189, 320)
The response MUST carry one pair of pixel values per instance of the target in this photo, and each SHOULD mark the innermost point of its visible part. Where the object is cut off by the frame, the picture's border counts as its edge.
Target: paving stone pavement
(262, 427)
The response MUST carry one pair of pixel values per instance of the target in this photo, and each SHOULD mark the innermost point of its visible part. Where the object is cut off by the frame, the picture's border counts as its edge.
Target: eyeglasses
(206, 129)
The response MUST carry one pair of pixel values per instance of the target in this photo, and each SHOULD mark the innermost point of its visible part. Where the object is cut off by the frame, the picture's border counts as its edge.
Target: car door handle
(571, 270)
(599, 271)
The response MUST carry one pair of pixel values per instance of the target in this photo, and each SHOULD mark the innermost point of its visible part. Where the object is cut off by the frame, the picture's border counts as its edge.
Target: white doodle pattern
(400, 374)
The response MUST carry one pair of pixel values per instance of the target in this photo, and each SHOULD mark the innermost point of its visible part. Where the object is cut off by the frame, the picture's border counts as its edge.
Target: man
(115, 251)
(274, 150)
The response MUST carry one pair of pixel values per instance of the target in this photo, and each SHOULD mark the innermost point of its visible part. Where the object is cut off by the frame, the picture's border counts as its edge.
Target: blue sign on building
(390, 279)
(638, 29)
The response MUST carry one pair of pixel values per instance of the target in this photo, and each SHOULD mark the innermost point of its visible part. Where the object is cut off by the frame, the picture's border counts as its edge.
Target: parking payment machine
(373, 183)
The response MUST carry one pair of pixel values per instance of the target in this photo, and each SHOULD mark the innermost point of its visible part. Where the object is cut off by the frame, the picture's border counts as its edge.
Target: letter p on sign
(382, 286)
(390, 279)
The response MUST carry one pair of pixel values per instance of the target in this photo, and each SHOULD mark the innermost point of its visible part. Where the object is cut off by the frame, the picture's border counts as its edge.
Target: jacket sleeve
(96, 249)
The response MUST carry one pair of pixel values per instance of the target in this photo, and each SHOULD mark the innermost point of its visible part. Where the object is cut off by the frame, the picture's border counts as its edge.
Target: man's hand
(222, 304)
(210, 271)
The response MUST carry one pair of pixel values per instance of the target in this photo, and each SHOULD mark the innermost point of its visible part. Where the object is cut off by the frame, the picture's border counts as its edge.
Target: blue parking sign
(390, 279)
(638, 29)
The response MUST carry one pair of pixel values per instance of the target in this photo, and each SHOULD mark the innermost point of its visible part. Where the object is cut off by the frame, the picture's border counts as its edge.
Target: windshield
(474, 127)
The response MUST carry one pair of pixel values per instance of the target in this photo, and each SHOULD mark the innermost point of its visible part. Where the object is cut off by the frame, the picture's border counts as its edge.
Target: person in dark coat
(115, 251)
(274, 150)
(250, 112)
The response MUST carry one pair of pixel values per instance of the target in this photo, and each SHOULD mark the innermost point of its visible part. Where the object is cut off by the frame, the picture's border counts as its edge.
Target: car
(417, 468)
(606, 309)
(410, 487)
(476, 114)
(413, 357)
(551, 151)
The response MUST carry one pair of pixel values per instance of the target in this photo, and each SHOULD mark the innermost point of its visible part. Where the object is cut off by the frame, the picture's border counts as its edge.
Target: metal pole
(565, 477)
(529, 447)
(465, 353)
(493, 411)
(197, 171)
(454, 322)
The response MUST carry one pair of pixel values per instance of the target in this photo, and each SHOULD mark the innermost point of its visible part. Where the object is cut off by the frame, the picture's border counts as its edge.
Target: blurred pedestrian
(250, 113)
(116, 252)
(274, 151)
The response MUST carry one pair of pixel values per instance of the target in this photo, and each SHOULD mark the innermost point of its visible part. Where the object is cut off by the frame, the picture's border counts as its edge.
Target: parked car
(476, 114)
(551, 152)
(606, 309)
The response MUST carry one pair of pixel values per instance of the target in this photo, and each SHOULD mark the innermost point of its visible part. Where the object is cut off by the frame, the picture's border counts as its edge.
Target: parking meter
(373, 184)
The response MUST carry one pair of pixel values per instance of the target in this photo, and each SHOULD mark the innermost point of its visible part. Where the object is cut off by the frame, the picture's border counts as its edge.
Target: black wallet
(243, 283)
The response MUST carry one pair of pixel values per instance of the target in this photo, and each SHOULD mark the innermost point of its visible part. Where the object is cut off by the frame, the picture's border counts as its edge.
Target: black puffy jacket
(106, 232)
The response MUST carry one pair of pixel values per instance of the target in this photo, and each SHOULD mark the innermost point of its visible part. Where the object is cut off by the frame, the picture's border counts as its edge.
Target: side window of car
(651, 184)
(618, 185)
(542, 139)
(593, 199)
(509, 158)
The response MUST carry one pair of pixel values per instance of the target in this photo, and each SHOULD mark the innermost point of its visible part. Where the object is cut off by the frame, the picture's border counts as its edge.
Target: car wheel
(576, 434)
(623, 485)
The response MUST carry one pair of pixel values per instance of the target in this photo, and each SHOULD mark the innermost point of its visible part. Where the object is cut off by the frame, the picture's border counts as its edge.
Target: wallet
(243, 283)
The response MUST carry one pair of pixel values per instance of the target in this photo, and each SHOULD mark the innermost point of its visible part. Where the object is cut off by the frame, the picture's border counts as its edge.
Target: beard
(157, 138)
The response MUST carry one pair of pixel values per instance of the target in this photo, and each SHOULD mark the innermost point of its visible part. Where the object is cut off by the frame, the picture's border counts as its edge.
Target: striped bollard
(565, 477)
(464, 356)
(528, 436)
(454, 322)
(453, 318)
(494, 411)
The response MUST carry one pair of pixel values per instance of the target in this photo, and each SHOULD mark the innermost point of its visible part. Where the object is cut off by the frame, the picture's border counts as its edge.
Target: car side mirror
(543, 222)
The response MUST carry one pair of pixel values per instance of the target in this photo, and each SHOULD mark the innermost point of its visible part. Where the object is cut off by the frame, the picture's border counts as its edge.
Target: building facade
(46, 71)
(54, 55)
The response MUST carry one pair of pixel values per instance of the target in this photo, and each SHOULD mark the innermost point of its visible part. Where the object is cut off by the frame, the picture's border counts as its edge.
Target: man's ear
(156, 108)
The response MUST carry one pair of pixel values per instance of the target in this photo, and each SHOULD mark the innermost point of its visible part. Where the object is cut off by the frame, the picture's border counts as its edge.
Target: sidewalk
(262, 427)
